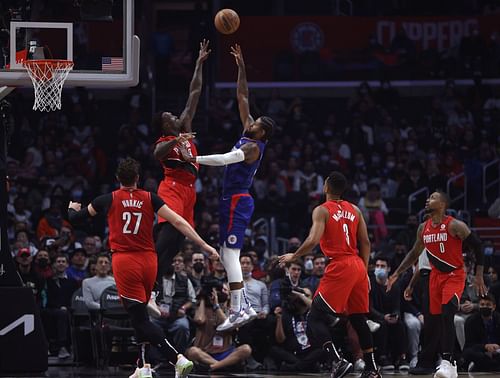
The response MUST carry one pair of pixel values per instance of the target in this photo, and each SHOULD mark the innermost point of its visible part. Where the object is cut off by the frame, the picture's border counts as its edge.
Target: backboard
(97, 35)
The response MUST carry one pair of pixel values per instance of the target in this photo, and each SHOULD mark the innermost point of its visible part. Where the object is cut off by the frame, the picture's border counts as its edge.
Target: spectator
(213, 350)
(198, 268)
(28, 275)
(90, 245)
(292, 280)
(176, 297)
(52, 221)
(42, 266)
(257, 271)
(60, 289)
(482, 337)
(385, 308)
(254, 333)
(312, 282)
(374, 211)
(78, 269)
(93, 287)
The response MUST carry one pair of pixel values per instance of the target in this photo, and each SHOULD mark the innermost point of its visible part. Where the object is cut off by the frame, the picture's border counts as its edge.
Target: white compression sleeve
(222, 159)
(230, 258)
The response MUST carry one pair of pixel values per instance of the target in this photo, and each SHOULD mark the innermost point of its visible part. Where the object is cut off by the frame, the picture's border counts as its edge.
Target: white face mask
(308, 265)
(247, 274)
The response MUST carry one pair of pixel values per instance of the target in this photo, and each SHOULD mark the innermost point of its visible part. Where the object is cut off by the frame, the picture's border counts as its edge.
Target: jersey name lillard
(443, 249)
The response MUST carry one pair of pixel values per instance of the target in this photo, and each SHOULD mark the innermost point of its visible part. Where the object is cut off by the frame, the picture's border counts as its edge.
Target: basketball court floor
(83, 372)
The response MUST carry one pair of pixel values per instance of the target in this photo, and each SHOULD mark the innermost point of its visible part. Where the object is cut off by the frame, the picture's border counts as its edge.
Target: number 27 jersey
(130, 219)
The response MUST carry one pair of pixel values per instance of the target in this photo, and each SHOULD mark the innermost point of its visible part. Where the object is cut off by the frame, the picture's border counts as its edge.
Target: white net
(48, 78)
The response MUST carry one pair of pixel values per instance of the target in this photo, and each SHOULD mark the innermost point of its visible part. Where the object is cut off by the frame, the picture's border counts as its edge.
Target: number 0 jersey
(340, 235)
(131, 213)
(444, 249)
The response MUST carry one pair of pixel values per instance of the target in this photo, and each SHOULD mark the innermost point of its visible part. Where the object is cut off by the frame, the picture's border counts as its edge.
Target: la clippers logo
(307, 36)
(232, 239)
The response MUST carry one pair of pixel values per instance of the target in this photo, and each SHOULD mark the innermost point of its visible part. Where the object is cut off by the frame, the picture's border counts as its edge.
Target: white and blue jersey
(236, 204)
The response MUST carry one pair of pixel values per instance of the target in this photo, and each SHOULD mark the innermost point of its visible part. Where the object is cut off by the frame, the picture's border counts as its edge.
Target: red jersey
(172, 164)
(130, 219)
(340, 236)
(444, 249)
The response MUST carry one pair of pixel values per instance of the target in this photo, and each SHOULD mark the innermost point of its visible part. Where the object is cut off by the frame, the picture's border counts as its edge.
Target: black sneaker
(340, 369)
(403, 365)
(371, 374)
(385, 363)
(421, 370)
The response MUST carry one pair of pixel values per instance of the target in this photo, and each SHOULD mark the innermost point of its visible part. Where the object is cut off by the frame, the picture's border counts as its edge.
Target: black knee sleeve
(448, 311)
(321, 311)
(320, 321)
(451, 308)
(167, 244)
(358, 322)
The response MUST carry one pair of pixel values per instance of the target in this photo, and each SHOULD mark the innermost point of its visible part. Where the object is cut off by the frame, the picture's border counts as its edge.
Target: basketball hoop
(48, 78)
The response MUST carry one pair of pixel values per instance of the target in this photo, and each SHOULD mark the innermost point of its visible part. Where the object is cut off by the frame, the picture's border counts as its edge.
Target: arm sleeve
(222, 159)
(78, 216)
(474, 243)
(102, 203)
(157, 202)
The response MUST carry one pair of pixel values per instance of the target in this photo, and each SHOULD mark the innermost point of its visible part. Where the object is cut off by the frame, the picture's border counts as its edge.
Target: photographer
(292, 350)
(214, 350)
(280, 288)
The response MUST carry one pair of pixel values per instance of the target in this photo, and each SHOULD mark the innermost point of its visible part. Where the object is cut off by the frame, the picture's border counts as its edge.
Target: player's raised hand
(286, 258)
(204, 51)
(75, 205)
(481, 289)
(391, 281)
(238, 55)
(184, 137)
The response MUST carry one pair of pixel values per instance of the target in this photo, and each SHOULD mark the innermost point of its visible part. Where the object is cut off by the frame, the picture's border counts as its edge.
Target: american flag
(112, 64)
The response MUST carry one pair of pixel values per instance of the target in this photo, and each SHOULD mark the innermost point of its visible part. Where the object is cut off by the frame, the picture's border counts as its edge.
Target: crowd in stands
(389, 146)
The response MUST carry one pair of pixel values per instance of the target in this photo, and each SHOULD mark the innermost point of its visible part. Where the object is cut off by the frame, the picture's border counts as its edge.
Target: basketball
(227, 21)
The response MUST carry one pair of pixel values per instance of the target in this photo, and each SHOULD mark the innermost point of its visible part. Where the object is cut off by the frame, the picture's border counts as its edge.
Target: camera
(207, 285)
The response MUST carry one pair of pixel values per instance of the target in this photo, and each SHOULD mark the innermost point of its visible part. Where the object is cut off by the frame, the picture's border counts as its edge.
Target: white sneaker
(234, 320)
(374, 326)
(252, 314)
(63, 353)
(153, 309)
(183, 366)
(359, 365)
(446, 370)
(144, 372)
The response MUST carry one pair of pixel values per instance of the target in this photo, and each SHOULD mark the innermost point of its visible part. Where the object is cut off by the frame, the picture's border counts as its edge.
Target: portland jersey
(443, 249)
(340, 237)
(175, 166)
(130, 220)
(238, 176)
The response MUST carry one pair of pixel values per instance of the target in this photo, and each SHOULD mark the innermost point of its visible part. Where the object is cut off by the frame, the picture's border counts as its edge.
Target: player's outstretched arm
(242, 88)
(319, 218)
(77, 214)
(410, 258)
(187, 115)
(471, 241)
(364, 244)
(185, 228)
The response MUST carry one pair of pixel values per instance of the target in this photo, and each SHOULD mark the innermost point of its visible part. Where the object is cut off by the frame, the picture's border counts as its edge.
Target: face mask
(488, 251)
(308, 265)
(485, 311)
(247, 274)
(77, 194)
(42, 263)
(198, 267)
(380, 273)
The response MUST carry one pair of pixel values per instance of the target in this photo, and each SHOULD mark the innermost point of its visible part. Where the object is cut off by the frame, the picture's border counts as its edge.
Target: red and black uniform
(344, 286)
(131, 214)
(177, 188)
(447, 278)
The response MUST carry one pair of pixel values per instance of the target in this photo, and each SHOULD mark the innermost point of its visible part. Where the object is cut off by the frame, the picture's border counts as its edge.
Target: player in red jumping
(177, 188)
(131, 212)
(442, 237)
(343, 291)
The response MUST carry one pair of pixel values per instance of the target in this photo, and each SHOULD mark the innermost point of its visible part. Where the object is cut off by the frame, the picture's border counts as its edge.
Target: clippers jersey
(340, 236)
(130, 219)
(444, 249)
(238, 176)
(174, 161)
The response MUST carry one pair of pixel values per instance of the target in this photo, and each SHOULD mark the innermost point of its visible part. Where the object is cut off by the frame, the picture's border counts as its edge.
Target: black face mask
(42, 263)
(485, 311)
(198, 267)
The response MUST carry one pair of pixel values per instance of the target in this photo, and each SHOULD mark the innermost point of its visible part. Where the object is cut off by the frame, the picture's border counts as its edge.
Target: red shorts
(135, 274)
(345, 286)
(443, 287)
(180, 197)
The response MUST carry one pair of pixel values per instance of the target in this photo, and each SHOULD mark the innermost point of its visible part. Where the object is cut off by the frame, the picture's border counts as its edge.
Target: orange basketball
(227, 21)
